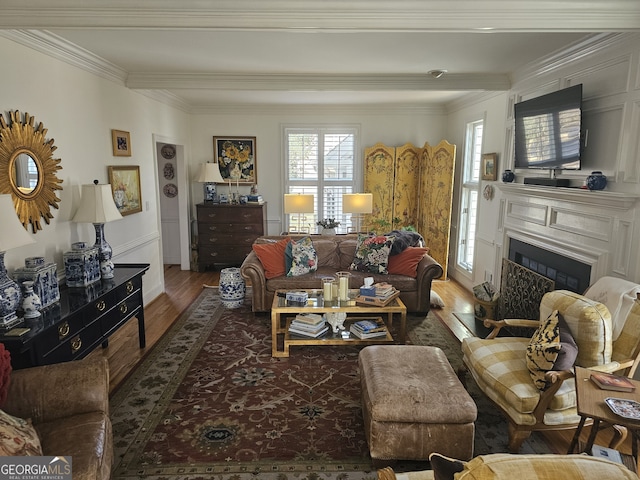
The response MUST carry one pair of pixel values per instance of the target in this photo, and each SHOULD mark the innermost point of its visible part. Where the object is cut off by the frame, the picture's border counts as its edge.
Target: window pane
(338, 156)
(303, 156)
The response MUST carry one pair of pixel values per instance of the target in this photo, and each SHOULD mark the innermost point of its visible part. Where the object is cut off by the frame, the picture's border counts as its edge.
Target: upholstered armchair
(500, 368)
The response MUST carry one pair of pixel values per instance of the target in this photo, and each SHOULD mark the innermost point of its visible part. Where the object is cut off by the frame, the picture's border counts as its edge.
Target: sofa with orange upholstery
(410, 271)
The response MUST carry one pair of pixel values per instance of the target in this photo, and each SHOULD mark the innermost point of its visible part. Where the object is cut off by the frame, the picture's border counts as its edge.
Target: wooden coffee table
(591, 404)
(282, 314)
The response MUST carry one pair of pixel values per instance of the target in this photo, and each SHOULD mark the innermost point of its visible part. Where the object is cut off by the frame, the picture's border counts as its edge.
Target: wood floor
(183, 287)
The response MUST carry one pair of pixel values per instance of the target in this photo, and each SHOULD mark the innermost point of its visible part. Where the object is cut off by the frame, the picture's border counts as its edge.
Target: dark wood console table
(83, 319)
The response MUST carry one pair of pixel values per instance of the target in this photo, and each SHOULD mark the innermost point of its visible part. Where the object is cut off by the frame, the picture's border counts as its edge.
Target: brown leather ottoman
(413, 404)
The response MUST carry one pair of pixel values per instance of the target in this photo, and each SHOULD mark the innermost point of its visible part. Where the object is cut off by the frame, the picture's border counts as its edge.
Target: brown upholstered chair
(68, 404)
(499, 367)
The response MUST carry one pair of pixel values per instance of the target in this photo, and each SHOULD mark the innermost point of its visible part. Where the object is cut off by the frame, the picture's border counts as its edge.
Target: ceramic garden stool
(413, 404)
(232, 287)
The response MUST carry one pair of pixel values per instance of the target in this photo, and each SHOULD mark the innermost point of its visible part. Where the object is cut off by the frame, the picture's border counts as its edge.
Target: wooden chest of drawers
(226, 232)
(82, 319)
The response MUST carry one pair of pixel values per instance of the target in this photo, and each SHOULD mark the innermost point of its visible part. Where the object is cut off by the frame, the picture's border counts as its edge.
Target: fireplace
(567, 273)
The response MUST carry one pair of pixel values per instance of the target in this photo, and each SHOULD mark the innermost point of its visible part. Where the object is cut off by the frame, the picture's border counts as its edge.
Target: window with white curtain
(469, 194)
(322, 161)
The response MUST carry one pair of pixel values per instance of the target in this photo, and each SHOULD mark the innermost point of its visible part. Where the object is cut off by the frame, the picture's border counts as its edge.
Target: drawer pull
(213, 254)
(101, 305)
(212, 215)
(123, 308)
(76, 343)
(213, 227)
(130, 286)
(213, 240)
(63, 330)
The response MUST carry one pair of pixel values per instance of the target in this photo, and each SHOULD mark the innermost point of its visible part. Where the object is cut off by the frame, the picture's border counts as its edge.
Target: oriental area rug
(209, 401)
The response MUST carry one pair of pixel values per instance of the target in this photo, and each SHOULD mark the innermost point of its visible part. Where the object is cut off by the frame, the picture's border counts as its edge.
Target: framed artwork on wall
(121, 143)
(125, 186)
(236, 159)
(489, 166)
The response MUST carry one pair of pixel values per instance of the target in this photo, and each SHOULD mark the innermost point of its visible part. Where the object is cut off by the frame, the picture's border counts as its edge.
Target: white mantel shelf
(622, 201)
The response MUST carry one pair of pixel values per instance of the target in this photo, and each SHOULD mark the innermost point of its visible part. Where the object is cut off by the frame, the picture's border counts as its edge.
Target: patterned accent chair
(499, 365)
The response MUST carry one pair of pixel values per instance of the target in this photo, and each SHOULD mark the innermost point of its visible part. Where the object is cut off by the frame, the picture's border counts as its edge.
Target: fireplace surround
(584, 235)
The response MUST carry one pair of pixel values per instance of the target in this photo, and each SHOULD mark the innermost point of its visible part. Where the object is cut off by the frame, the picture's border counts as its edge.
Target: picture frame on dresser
(236, 159)
(125, 187)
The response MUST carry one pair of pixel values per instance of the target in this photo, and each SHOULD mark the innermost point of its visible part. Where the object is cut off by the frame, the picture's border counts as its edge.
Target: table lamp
(12, 235)
(357, 204)
(98, 207)
(209, 174)
(298, 203)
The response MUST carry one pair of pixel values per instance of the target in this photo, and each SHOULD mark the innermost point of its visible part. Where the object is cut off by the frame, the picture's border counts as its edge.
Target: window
(469, 194)
(321, 162)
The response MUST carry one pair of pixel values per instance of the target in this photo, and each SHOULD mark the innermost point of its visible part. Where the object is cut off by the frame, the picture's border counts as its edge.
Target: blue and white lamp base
(10, 298)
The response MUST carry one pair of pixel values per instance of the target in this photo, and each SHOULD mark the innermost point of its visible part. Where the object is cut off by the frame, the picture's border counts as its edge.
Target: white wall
(610, 75)
(79, 110)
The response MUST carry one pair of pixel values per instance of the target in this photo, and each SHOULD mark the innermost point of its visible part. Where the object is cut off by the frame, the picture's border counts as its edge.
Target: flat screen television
(548, 130)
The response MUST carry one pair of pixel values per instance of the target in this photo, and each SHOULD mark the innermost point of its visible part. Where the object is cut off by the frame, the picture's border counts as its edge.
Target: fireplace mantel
(622, 201)
(595, 228)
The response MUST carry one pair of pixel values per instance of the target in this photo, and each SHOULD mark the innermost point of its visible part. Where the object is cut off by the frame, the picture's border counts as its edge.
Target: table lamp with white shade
(357, 204)
(298, 203)
(98, 207)
(12, 235)
(209, 174)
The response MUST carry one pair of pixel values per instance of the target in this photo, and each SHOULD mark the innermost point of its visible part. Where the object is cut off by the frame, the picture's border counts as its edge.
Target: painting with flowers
(236, 159)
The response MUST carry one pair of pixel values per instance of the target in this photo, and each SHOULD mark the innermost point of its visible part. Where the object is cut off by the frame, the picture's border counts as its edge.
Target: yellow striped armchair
(499, 365)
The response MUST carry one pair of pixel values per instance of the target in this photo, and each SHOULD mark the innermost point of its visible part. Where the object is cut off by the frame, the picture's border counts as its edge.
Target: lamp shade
(12, 233)
(298, 203)
(97, 205)
(357, 203)
(209, 173)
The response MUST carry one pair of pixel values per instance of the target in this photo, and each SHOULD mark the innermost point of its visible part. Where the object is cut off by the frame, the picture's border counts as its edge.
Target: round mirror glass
(25, 174)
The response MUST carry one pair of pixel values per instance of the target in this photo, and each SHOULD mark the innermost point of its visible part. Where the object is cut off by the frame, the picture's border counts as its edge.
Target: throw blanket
(404, 239)
(618, 295)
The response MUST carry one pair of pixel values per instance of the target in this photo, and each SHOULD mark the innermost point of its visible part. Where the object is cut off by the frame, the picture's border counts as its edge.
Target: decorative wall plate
(169, 171)
(168, 152)
(170, 190)
(487, 193)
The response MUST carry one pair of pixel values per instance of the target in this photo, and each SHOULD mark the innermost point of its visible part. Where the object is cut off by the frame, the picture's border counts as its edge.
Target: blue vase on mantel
(508, 176)
(596, 181)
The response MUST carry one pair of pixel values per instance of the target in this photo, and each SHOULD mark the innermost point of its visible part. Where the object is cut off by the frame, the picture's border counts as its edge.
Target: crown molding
(302, 82)
(317, 110)
(60, 49)
(328, 15)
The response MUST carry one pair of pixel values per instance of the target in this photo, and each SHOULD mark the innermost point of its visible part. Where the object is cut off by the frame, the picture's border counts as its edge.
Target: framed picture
(121, 143)
(236, 159)
(489, 166)
(125, 185)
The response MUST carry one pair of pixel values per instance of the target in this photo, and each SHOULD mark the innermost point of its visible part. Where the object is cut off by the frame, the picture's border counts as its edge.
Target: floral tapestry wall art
(236, 158)
(125, 185)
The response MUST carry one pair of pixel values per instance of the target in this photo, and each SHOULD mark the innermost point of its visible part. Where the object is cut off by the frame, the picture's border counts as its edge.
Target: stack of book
(369, 328)
(308, 325)
(384, 290)
(255, 199)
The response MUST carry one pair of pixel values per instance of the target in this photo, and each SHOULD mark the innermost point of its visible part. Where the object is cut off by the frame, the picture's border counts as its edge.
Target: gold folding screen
(413, 186)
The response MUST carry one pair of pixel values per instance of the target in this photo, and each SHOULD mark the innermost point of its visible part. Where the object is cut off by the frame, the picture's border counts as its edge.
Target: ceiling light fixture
(436, 73)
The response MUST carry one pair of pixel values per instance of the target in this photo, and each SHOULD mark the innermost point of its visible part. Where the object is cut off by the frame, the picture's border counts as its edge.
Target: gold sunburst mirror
(28, 169)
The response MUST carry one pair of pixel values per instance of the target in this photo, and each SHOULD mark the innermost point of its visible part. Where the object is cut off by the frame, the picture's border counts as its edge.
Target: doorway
(173, 200)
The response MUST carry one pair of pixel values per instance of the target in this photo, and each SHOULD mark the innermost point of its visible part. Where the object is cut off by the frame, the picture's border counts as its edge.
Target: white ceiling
(203, 53)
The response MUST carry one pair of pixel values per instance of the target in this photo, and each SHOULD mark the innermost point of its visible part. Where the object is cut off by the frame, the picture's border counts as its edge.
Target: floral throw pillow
(372, 254)
(304, 258)
(18, 437)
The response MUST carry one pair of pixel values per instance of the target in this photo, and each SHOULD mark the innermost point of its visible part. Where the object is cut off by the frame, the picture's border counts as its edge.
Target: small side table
(591, 404)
